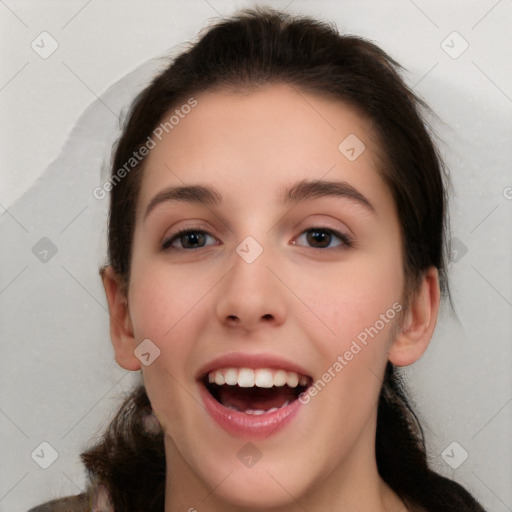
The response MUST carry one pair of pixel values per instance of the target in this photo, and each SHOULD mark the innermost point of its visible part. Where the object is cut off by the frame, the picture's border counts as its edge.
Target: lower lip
(253, 426)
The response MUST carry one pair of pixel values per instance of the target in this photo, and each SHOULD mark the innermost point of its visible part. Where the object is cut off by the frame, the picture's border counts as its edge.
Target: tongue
(255, 398)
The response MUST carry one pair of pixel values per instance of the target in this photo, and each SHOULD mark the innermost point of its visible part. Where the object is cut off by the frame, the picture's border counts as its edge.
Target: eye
(321, 238)
(188, 238)
(318, 237)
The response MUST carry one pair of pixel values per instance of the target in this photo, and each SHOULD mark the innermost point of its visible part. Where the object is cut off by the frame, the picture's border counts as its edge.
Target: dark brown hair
(249, 50)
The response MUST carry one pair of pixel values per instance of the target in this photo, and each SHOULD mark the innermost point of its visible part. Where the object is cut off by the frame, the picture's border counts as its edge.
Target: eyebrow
(300, 191)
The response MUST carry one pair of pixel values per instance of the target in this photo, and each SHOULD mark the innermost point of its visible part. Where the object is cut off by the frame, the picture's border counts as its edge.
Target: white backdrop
(73, 67)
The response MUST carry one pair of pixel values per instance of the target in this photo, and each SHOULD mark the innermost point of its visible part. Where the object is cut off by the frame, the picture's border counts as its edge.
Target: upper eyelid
(310, 224)
(195, 229)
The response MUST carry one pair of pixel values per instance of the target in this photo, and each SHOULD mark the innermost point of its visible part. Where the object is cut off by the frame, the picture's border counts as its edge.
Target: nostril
(268, 316)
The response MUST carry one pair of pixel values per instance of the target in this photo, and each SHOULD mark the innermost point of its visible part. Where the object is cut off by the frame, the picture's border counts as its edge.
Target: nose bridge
(251, 294)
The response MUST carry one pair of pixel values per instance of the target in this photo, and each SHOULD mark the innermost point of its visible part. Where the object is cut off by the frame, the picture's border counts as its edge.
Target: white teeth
(219, 378)
(245, 378)
(258, 412)
(280, 378)
(230, 376)
(292, 380)
(261, 377)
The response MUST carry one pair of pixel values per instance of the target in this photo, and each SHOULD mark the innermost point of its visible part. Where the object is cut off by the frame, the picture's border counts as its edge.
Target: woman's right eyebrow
(202, 194)
(299, 191)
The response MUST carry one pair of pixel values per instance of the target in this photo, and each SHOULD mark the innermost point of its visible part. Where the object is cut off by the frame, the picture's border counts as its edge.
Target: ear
(121, 329)
(419, 323)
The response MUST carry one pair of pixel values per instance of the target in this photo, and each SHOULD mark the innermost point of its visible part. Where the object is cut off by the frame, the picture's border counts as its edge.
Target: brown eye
(321, 238)
(188, 239)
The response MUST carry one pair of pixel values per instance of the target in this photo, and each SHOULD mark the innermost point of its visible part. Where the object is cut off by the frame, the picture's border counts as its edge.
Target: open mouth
(255, 391)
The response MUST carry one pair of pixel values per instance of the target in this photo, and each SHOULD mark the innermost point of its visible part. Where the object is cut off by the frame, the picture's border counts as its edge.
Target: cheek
(168, 309)
(359, 307)
(163, 300)
(364, 310)
(344, 303)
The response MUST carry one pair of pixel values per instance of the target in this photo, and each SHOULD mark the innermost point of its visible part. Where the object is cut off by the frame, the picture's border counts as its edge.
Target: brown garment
(78, 503)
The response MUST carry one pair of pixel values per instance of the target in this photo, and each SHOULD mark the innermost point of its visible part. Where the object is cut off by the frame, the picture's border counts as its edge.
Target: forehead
(263, 139)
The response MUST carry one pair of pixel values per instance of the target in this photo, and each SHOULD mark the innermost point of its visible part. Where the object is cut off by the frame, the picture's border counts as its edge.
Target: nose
(251, 294)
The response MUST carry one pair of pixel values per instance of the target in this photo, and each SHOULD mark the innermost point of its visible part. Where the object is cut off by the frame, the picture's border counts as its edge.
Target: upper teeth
(261, 377)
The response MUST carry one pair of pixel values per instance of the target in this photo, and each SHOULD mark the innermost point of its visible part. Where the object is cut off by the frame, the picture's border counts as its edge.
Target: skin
(301, 301)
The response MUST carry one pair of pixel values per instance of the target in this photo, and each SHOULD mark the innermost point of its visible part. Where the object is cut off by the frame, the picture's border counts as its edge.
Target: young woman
(276, 251)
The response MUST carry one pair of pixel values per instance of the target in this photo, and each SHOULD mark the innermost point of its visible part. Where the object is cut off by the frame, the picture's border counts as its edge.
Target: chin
(261, 488)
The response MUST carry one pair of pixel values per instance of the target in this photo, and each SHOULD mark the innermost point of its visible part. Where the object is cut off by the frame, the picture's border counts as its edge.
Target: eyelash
(346, 241)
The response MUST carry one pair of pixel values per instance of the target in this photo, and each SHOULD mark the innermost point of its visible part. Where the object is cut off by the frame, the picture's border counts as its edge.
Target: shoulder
(78, 503)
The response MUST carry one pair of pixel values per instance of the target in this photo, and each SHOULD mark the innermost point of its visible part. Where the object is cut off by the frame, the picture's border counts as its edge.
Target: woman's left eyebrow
(300, 191)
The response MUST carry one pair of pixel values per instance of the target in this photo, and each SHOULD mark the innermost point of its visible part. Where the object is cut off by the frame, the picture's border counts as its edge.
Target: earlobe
(121, 328)
(419, 322)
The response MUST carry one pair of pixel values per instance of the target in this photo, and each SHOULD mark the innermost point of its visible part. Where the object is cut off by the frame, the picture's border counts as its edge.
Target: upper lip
(247, 360)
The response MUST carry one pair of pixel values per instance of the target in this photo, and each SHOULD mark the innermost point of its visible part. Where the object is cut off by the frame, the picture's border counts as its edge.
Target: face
(276, 288)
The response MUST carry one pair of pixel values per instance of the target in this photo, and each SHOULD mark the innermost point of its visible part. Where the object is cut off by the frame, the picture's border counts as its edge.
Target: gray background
(59, 380)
